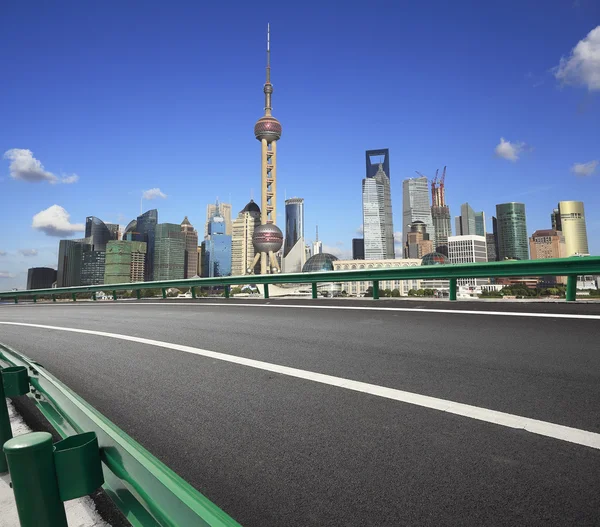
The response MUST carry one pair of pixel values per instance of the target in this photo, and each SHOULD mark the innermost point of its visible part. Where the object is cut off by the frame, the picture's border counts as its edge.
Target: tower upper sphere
(268, 128)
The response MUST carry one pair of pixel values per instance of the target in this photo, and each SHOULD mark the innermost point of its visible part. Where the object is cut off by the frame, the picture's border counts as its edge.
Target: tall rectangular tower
(415, 205)
(378, 225)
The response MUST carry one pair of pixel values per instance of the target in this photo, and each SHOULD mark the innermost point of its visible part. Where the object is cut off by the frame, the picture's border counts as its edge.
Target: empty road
(345, 413)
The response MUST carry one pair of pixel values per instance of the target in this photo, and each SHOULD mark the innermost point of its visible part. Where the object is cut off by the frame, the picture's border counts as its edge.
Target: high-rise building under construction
(440, 214)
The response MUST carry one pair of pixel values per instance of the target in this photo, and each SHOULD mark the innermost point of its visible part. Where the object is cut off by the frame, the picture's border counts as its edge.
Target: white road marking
(349, 308)
(543, 428)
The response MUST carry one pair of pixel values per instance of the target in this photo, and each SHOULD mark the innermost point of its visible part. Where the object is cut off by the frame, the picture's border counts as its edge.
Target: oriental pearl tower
(268, 238)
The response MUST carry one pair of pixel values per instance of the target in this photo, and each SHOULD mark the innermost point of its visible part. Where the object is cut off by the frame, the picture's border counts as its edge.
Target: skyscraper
(378, 229)
(512, 231)
(440, 214)
(548, 243)
(242, 249)
(169, 252)
(465, 223)
(572, 220)
(191, 248)
(468, 249)
(146, 228)
(268, 238)
(358, 248)
(218, 249)
(124, 262)
(70, 258)
(294, 255)
(218, 209)
(555, 219)
(418, 243)
(415, 206)
(490, 240)
(480, 223)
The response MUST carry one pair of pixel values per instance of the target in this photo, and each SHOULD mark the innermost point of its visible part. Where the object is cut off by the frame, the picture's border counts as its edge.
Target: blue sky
(131, 96)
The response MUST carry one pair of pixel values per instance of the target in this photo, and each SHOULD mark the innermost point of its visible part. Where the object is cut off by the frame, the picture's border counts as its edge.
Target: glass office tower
(513, 242)
(294, 223)
(146, 229)
(169, 252)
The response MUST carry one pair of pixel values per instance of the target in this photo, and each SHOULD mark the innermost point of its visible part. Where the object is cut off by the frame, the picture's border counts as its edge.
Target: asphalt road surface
(277, 443)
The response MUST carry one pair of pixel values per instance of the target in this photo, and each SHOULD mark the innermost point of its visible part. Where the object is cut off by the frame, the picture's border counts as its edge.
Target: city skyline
(487, 160)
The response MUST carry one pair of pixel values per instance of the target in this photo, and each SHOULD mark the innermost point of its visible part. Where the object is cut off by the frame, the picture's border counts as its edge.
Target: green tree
(235, 291)
(412, 292)
(420, 292)
(396, 293)
(387, 293)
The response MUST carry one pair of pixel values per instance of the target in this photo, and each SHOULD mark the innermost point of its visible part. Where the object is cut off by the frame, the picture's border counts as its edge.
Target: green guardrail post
(114, 295)
(138, 294)
(453, 283)
(314, 289)
(94, 296)
(34, 299)
(16, 300)
(571, 288)
(5, 430)
(53, 298)
(74, 297)
(193, 291)
(375, 289)
(33, 474)
(164, 293)
(227, 291)
(266, 295)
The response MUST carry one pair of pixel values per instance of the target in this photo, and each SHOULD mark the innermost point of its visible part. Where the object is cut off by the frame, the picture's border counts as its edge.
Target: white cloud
(28, 252)
(585, 169)
(3, 253)
(55, 221)
(360, 230)
(338, 250)
(508, 150)
(6, 274)
(25, 167)
(582, 66)
(154, 193)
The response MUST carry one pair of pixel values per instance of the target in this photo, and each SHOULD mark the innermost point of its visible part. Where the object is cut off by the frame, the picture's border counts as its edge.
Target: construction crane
(422, 175)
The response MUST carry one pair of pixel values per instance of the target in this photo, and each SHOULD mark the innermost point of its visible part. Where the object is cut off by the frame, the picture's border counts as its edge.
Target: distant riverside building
(572, 220)
(548, 243)
(415, 206)
(294, 254)
(218, 257)
(378, 228)
(470, 222)
(555, 219)
(480, 223)
(512, 231)
(317, 246)
(124, 262)
(146, 228)
(359, 288)
(40, 277)
(92, 267)
(440, 214)
(70, 256)
(468, 249)
(358, 248)
(169, 252)
(191, 248)
(219, 209)
(490, 240)
(418, 242)
(242, 248)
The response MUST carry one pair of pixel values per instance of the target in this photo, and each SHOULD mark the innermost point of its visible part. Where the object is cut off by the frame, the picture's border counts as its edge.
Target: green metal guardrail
(570, 267)
(146, 491)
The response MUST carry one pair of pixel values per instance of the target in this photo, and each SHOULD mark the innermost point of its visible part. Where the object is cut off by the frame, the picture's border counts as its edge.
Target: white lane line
(351, 308)
(543, 428)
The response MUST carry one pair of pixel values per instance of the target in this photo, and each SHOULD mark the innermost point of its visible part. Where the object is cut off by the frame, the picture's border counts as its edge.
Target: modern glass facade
(358, 248)
(513, 242)
(572, 220)
(480, 224)
(146, 227)
(294, 223)
(70, 256)
(378, 229)
(319, 262)
(242, 248)
(191, 248)
(415, 206)
(217, 259)
(99, 233)
(40, 277)
(92, 267)
(169, 252)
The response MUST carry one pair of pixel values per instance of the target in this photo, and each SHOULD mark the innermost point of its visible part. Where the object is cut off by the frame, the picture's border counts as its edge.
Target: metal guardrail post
(314, 289)
(16, 300)
(138, 294)
(74, 297)
(114, 295)
(53, 298)
(33, 474)
(94, 296)
(164, 293)
(266, 291)
(226, 291)
(34, 299)
(453, 283)
(571, 288)
(5, 430)
(375, 289)
(193, 291)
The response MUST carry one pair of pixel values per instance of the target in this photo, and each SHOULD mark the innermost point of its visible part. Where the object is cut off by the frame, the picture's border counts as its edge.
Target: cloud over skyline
(582, 66)
(28, 252)
(508, 150)
(24, 167)
(585, 169)
(153, 193)
(6, 274)
(55, 221)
